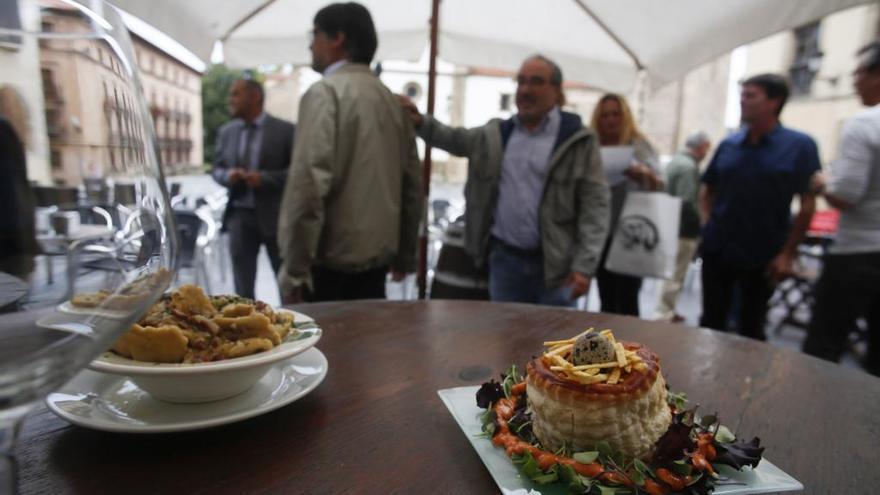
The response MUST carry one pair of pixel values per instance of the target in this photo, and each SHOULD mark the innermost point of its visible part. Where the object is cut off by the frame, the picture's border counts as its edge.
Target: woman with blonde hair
(613, 122)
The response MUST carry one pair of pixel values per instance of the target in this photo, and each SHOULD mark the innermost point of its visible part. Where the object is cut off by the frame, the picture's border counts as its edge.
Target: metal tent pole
(426, 172)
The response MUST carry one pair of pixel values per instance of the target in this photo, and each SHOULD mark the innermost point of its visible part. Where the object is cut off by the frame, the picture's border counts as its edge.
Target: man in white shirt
(849, 287)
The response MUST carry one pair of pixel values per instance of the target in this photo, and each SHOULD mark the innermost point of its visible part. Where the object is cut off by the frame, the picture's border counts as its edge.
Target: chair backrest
(141, 236)
(97, 190)
(440, 208)
(125, 194)
(93, 214)
(174, 189)
(189, 225)
(53, 196)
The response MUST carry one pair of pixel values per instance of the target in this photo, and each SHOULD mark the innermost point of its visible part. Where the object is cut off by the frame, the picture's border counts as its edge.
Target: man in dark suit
(251, 158)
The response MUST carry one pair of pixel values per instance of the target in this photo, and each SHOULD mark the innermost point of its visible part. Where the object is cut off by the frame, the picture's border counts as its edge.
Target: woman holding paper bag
(630, 163)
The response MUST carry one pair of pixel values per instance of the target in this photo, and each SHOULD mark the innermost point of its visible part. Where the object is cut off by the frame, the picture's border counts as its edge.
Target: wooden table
(376, 424)
(12, 289)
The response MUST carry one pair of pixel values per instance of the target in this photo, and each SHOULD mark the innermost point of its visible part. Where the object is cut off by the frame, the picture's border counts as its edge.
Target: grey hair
(696, 140)
(556, 72)
(870, 56)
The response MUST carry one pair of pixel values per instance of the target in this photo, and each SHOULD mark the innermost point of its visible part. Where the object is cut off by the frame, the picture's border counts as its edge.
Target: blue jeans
(518, 276)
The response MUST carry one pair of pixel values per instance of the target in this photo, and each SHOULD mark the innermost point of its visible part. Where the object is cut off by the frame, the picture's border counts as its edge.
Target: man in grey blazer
(251, 159)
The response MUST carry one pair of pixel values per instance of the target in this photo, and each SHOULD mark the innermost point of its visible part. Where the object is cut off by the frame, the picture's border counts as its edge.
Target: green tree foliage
(215, 112)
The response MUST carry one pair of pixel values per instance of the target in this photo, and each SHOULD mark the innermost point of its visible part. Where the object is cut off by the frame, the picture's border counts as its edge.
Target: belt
(530, 253)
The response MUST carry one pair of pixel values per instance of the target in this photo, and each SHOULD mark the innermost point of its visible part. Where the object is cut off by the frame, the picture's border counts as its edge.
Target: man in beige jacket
(353, 199)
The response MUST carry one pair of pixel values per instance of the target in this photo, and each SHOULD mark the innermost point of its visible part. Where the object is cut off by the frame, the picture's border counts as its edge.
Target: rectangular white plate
(462, 403)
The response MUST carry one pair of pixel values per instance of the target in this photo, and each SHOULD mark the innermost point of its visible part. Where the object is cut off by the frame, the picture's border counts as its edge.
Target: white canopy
(599, 42)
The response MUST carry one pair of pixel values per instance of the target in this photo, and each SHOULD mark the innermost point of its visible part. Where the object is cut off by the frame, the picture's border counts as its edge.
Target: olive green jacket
(574, 208)
(353, 199)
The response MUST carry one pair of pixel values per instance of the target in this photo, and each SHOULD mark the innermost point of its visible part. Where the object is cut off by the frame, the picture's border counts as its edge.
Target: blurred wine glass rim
(91, 14)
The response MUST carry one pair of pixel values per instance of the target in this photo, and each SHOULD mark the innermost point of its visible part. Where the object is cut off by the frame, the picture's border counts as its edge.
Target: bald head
(246, 99)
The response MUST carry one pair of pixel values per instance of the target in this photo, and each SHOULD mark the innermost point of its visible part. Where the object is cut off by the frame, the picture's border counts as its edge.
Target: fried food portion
(237, 309)
(189, 326)
(192, 300)
(245, 347)
(245, 327)
(165, 344)
(89, 300)
(127, 296)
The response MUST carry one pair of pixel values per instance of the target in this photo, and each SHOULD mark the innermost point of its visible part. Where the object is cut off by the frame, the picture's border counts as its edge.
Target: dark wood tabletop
(376, 424)
(12, 289)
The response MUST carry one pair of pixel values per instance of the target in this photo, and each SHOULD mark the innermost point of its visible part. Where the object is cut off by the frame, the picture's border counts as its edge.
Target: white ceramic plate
(114, 403)
(461, 401)
(306, 336)
(68, 307)
(298, 318)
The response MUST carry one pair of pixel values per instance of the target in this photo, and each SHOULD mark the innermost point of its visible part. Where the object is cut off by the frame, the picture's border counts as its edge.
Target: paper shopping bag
(645, 241)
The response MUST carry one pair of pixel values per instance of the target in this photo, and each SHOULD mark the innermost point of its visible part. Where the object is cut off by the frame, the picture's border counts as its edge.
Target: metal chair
(456, 275)
(216, 203)
(51, 247)
(793, 297)
(130, 248)
(52, 196)
(197, 233)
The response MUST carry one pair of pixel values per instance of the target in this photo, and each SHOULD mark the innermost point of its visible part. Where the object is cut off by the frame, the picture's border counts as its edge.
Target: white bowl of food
(192, 348)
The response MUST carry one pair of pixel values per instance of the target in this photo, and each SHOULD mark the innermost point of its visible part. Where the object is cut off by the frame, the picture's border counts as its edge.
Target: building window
(10, 19)
(807, 58)
(55, 160)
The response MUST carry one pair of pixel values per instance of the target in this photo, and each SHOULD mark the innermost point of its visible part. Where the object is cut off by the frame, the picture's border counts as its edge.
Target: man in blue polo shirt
(749, 241)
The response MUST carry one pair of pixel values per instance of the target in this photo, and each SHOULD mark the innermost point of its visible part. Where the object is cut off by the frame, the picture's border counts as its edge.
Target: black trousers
(245, 239)
(849, 288)
(755, 289)
(618, 294)
(331, 285)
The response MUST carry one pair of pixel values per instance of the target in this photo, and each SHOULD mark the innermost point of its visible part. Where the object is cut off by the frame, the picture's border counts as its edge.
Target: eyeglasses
(531, 81)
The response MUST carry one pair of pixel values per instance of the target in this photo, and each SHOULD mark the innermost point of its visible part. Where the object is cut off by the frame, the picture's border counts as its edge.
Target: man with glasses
(353, 201)
(536, 197)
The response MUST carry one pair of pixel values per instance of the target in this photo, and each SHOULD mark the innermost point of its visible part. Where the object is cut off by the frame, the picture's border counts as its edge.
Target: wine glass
(78, 263)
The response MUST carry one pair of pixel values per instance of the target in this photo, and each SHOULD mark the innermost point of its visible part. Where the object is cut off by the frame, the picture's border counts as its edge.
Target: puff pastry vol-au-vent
(592, 388)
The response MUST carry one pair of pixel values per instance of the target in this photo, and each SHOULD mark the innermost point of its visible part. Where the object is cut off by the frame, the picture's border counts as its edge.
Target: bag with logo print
(645, 241)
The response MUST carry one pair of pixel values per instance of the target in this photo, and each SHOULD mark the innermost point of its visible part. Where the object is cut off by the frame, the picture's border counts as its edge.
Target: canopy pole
(250, 15)
(426, 172)
(641, 75)
(611, 34)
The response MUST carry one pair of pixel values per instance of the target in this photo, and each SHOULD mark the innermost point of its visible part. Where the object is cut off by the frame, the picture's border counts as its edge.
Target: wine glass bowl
(74, 125)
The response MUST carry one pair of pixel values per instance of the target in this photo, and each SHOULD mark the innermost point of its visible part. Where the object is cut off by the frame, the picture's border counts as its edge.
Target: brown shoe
(677, 318)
